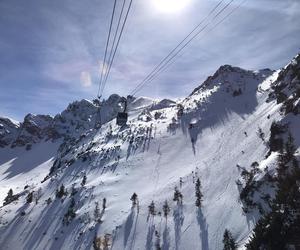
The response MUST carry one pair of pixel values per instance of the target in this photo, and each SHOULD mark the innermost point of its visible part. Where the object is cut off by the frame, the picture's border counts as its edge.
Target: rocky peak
(286, 89)
(233, 78)
(8, 131)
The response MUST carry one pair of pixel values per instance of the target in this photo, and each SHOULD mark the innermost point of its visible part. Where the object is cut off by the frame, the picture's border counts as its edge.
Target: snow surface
(148, 157)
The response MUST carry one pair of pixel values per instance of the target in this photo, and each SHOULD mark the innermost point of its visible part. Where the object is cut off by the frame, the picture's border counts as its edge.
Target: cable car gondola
(122, 117)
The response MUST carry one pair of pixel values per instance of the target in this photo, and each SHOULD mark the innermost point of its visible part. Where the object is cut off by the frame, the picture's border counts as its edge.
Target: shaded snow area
(165, 144)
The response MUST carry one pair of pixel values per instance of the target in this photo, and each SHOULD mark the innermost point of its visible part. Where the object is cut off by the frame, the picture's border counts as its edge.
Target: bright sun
(170, 6)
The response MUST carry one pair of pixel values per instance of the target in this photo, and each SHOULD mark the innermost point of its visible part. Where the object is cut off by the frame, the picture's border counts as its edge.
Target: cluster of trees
(249, 185)
(276, 141)
(285, 84)
(61, 192)
(34, 196)
(97, 213)
(229, 241)
(70, 214)
(281, 227)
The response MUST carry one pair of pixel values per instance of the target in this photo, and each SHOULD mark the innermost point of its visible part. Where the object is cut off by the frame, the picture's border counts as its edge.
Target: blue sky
(51, 51)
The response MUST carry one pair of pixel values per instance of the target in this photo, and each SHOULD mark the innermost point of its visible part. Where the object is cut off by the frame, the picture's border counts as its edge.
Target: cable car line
(115, 36)
(165, 64)
(109, 59)
(106, 47)
(215, 26)
(172, 51)
(117, 45)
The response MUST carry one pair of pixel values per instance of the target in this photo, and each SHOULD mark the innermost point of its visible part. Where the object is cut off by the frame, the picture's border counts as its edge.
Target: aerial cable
(172, 51)
(106, 47)
(117, 45)
(166, 65)
(215, 26)
(229, 14)
(115, 36)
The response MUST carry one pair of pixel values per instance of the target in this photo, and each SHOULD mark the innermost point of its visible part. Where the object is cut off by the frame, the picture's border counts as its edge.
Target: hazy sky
(51, 50)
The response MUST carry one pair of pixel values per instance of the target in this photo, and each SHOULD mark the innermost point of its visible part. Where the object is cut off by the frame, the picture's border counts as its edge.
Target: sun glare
(170, 6)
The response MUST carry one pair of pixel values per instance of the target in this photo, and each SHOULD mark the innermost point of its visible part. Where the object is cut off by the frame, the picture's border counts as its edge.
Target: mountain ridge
(215, 134)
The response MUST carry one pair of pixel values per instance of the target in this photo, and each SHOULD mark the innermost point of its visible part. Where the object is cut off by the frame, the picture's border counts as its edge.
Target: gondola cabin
(122, 118)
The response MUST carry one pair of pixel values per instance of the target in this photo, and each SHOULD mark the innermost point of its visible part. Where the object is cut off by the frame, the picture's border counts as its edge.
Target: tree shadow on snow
(166, 239)
(252, 216)
(150, 233)
(25, 161)
(129, 149)
(217, 111)
(203, 230)
(130, 229)
(178, 218)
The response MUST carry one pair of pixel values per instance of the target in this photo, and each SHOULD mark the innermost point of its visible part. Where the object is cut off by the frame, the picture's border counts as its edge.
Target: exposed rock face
(35, 128)
(233, 78)
(8, 131)
(286, 89)
(228, 133)
(165, 103)
(76, 119)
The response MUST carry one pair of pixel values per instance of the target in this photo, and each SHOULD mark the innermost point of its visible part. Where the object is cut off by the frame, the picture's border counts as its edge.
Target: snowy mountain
(73, 182)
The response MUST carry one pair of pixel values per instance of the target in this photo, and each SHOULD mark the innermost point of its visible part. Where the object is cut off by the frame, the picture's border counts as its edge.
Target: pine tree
(166, 209)
(97, 212)
(104, 204)
(48, 201)
(61, 192)
(29, 197)
(134, 199)
(177, 196)
(199, 194)
(83, 181)
(9, 198)
(70, 215)
(151, 209)
(228, 241)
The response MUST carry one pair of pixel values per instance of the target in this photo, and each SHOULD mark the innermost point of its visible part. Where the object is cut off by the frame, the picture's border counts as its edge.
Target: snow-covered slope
(165, 145)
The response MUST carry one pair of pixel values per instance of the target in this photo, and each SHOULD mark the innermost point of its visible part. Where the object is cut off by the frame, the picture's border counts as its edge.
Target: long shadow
(35, 236)
(128, 227)
(178, 218)
(150, 233)
(12, 227)
(217, 108)
(166, 239)
(134, 232)
(25, 161)
(87, 237)
(252, 216)
(50, 224)
(129, 149)
(203, 230)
